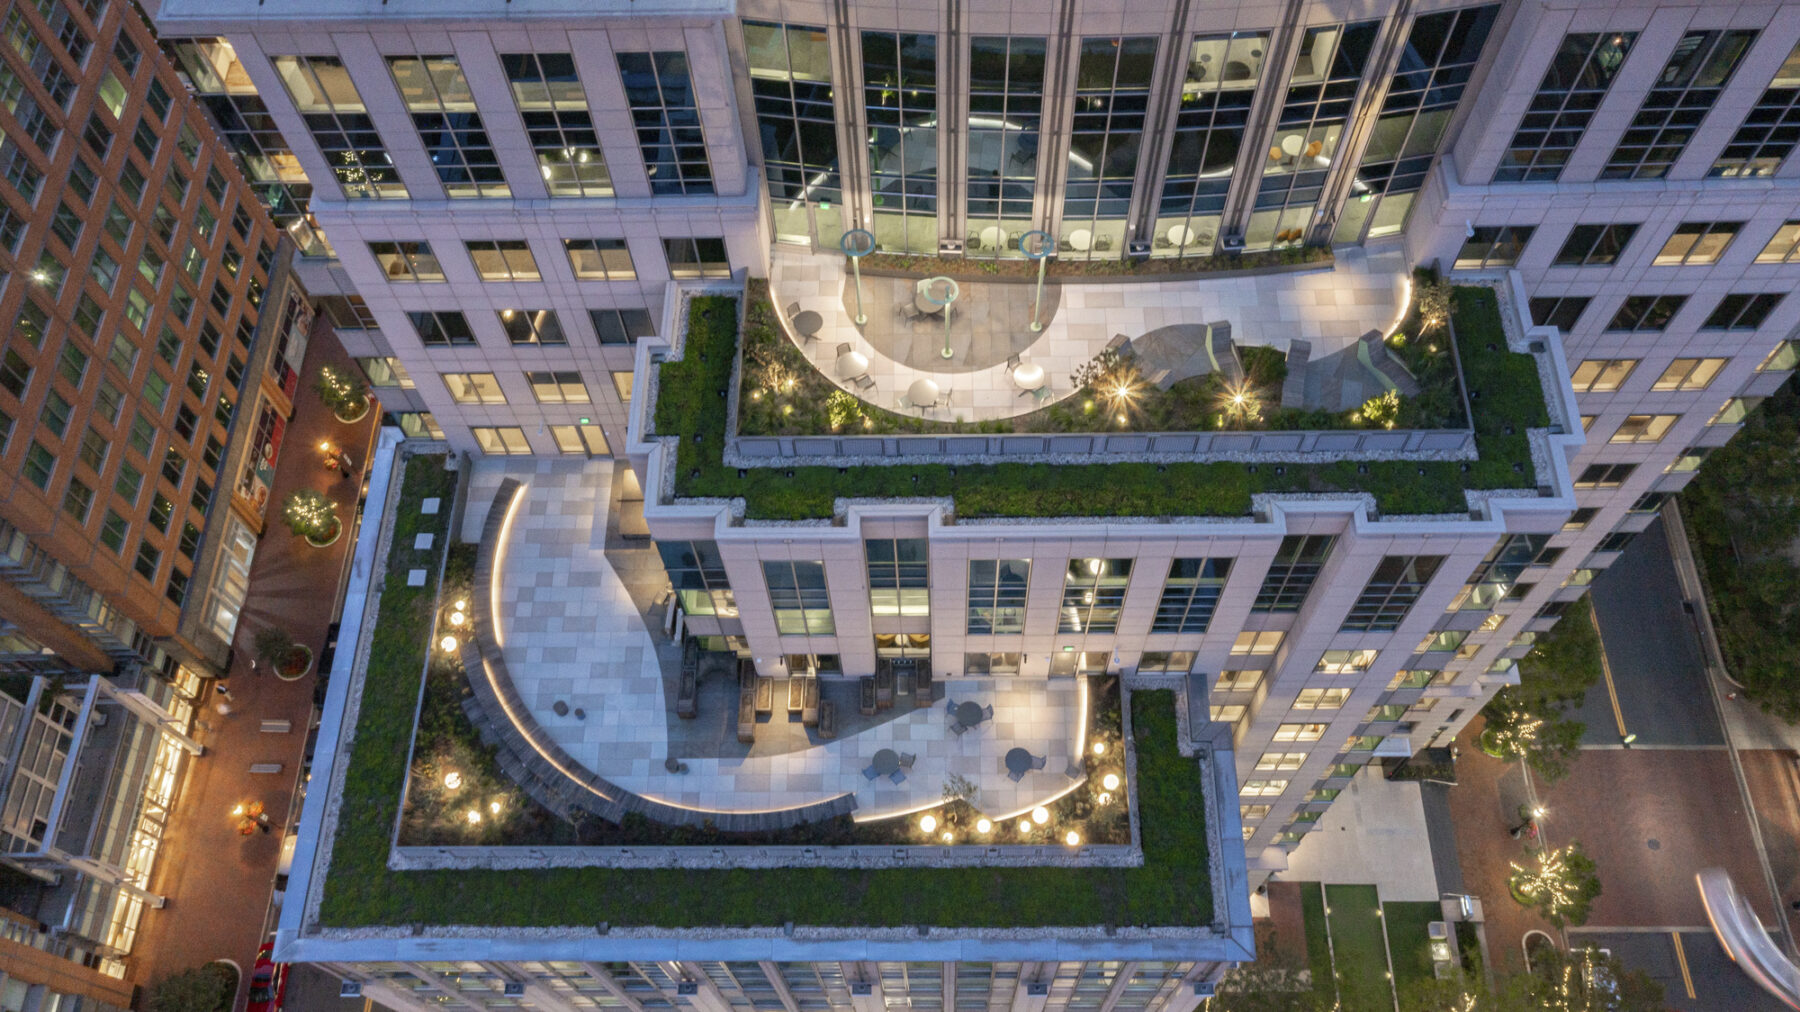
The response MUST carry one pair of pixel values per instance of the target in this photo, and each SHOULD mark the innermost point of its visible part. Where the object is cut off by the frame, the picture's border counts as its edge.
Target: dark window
(1291, 574)
(1390, 593)
(1593, 245)
(1604, 475)
(1493, 246)
(442, 329)
(621, 326)
(1677, 103)
(532, 326)
(1190, 595)
(1742, 312)
(1577, 80)
(1646, 312)
(997, 589)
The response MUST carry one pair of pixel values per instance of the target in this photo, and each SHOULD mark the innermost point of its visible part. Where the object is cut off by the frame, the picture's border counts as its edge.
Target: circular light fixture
(448, 644)
(1040, 815)
(984, 826)
(1073, 839)
(474, 816)
(1024, 826)
(949, 837)
(461, 605)
(494, 806)
(1110, 781)
(453, 780)
(928, 823)
(1099, 748)
(1105, 798)
(457, 618)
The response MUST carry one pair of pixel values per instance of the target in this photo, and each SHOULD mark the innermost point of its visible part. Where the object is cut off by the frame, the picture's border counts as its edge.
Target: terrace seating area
(998, 367)
(570, 688)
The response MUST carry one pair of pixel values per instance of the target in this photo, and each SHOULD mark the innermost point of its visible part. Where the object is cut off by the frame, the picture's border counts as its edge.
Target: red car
(268, 982)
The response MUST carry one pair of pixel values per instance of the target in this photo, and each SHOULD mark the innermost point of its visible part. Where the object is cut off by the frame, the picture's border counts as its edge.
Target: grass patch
(1504, 388)
(1358, 943)
(1409, 941)
(1318, 946)
(1172, 888)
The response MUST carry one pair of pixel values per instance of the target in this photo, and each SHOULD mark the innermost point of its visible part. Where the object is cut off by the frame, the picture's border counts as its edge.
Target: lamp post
(1037, 245)
(1531, 815)
(930, 288)
(856, 244)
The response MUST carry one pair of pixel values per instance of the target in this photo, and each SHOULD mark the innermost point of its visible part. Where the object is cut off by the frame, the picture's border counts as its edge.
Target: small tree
(1382, 409)
(310, 514)
(274, 646)
(1561, 886)
(1434, 302)
(960, 788)
(199, 989)
(343, 393)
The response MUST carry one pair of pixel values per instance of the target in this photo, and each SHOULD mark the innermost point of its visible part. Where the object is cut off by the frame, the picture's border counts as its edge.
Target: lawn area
(1358, 946)
(1504, 388)
(1318, 945)
(1409, 942)
(1172, 888)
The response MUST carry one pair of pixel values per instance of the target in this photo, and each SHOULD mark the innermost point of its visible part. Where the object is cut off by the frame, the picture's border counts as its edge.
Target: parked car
(268, 982)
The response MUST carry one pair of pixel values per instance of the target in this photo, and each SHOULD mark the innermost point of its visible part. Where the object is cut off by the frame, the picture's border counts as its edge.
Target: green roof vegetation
(1172, 888)
(1506, 398)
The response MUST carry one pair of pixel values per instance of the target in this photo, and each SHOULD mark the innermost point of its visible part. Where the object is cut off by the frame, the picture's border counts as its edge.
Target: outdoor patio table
(885, 762)
(1081, 239)
(922, 298)
(808, 322)
(1018, 760)
(968, 714)
(852, 363)
(993, 237)
(1028, 376)
(1179, 235)
(922, 394)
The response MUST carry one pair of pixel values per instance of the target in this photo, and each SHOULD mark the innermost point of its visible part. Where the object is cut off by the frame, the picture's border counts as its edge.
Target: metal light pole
(951, 291)
(856, 244)
(1037, 245)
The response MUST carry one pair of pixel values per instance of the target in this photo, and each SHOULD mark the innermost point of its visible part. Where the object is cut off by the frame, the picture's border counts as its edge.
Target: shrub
(343, 393)
(310, 514)
(198, 989)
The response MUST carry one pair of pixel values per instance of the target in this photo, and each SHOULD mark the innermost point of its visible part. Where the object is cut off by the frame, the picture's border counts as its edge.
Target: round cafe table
(922, 394)
(1028, 376)
(885, 762)
(808, 322)
(1291, 144)
(852, 363)
(968, 714)
(1180, 235)
(1081, 239)
(993, 237)
(922, 299)
(1018, 760)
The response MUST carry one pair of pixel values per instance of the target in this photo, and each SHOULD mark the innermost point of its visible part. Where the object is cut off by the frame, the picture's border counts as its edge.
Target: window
(697, 258)
(1093, 593)
(997, 595)
(33, 323)
(1697, 242)
(1176, 662)
(78, 499)
(1190, 595)
(1604, 475)
(441, 329)
(501, 440)
(1577, 80)
(1396, 583)
(665, 111)
(698, 576)
(113, 531)
(1291, 574)
(474, 388)
(15, 374)
(1742, 312)
(1321, 699)
(443, 109)
(149, 557)
(600, 259)
(1689, 374)
(1785, 356)
(1493, 246)
(1594, 245)
(586, 440)
(532, 326)
(1617, 541)
(1238, 681)
(790, 79)
(40, 463)
(1499, 572)
(325, 96)
(1649, 502)
(1646, 312)
(899, 582)
(1677, 103)
(128, 482)
(1280, 762)
(504, 260)
(1735, 410)
(55, 416)
(1784, 247)
(1345, 662)
(1643, 428)
(92, 452)
(1256, 644)
(1262, 788)
(407, 261)
(161, 512)
(385, 372)
(553, 105)
(1442, 642)
(557, 387)
(798, 594)
(1299, 732)
(622, 382)
(417, 424)
(621, 326)
(1602, 375)
(1228, 714)
(991, 664)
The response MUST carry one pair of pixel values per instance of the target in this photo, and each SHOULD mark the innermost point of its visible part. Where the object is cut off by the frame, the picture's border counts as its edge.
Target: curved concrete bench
(540, 766)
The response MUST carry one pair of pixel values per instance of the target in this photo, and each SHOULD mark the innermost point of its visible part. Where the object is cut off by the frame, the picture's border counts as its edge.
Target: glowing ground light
(447, 644)
(461, 605)
(1073, 839)
(1099, 748)
(928, 823)
(494, 806)
(1105, 798)
(1110, 781)
(1024, 826)
(948, 837)
(457, 618)
(984, 826)
(474, 816)
(453, 780)
(1040, 815)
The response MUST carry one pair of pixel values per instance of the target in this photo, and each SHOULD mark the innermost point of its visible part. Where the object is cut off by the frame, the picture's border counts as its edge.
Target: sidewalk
(218, 882)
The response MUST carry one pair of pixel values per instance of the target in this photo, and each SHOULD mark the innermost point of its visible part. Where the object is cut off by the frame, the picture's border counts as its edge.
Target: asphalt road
(1718, 983)
(1654, 653)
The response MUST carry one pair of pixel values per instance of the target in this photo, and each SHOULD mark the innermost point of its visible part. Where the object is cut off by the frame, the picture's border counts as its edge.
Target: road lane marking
(1612, 691)
(1687, 979)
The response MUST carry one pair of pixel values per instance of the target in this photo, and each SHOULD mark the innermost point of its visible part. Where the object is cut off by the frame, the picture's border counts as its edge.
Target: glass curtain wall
(1006, 98)
(1427, 86)
(1222, 71)
(900, 95)
(1112, 92)
(790, 76)
(553, 106)
(339, 122)
(1320, 94)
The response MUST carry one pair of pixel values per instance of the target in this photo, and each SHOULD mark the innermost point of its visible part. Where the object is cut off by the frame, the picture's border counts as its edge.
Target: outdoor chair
(863, 382)
(950, 706)
(843, 348)
(793, 310)
(869, 773)
(907, 759)
(898, 776)
(987, 712)
(1012, 361)
(1014, 775)
(956, 727)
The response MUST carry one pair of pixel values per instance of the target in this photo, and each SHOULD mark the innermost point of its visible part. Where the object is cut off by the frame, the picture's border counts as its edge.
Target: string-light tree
(1560, 886)
(343, 393)
(1516, 733)
(312, 516)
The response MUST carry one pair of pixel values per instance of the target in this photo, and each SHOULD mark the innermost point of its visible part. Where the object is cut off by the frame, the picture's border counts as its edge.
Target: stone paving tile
(1331, 308)
(583, 643)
